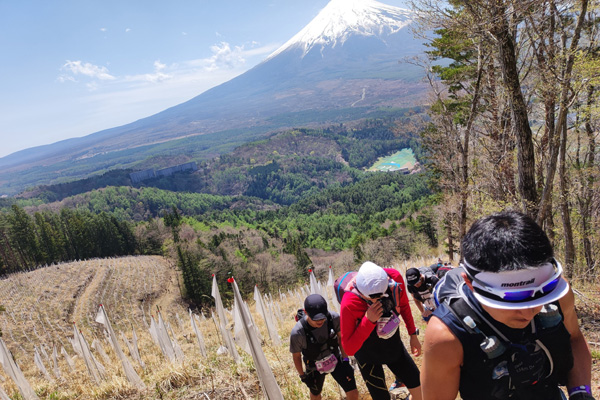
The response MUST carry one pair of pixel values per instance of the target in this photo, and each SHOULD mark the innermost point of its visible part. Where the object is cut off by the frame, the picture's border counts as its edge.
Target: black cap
(316, 307)
(412, 276)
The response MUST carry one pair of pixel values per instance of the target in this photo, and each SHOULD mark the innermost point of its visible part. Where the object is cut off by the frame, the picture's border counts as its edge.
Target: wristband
(579, 389)
(582, 396)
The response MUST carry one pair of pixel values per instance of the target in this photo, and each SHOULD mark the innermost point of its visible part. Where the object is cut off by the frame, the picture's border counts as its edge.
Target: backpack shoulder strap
(329, 322)
(304, 323)
(310, 338)
(308, 330)
(462, 306)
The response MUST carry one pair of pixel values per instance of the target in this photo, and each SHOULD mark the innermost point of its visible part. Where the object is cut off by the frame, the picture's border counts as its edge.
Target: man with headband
(510, 329)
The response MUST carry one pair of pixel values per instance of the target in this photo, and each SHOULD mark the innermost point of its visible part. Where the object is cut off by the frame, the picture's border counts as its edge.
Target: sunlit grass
(42, 305)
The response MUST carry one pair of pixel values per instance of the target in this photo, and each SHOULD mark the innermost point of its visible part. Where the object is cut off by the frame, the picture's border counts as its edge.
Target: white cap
(371, 279)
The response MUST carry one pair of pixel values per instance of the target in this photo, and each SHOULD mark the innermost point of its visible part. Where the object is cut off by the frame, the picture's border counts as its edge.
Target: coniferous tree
(50, 245)
(24, 239)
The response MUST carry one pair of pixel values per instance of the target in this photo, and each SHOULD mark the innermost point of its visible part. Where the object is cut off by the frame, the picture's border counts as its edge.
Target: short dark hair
(506, 241)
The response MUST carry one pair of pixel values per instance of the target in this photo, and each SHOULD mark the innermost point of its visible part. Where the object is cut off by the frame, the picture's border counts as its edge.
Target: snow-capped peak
(342, 18)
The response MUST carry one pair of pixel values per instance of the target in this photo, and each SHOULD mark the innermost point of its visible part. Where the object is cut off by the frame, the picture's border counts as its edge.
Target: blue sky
(69, 68)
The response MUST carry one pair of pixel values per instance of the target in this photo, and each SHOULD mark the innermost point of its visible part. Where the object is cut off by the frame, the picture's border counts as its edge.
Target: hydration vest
(315, 349)
(520, 364)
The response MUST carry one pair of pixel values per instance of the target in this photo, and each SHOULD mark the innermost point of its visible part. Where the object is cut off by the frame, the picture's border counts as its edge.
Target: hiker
(420, 283)
(369, 320)
(445, 289)
(443, 270)
(509, 329)
(315, 340)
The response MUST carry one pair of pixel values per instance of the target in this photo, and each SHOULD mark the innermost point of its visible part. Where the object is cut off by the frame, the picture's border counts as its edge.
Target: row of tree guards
(245, 335)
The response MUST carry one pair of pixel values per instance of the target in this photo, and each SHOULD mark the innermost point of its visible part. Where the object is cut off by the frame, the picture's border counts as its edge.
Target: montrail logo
(522, 283)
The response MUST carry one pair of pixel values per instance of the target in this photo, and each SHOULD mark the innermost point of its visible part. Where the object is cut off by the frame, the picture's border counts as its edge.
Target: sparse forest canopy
(515, 117)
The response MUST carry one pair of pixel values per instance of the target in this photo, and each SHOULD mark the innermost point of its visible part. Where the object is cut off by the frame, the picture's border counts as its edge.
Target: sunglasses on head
(515, 295)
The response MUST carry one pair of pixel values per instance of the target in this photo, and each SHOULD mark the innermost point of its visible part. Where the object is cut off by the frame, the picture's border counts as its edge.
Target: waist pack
(387, 326)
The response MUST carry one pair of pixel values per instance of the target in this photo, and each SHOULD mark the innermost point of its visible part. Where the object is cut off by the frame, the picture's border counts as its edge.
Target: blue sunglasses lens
(519, 295)
(550, 286)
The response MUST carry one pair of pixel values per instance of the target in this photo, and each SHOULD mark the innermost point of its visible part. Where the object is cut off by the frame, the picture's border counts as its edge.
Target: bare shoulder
(442, 360)
(567, 302)
(567, 305)
(441, 344)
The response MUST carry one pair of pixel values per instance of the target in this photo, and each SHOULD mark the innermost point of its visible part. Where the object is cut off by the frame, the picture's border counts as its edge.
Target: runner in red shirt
(369, 329)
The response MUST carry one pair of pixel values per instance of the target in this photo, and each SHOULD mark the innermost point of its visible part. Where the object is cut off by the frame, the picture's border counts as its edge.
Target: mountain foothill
(347, 64)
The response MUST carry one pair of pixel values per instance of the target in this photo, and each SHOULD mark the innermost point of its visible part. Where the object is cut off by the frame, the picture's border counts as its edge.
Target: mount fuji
(346, 63)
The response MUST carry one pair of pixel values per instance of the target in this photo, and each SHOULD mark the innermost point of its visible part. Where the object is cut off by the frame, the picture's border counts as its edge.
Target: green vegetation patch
(405, 158)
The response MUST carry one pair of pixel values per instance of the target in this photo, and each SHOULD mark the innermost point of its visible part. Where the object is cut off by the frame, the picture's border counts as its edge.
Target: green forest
(265, 203)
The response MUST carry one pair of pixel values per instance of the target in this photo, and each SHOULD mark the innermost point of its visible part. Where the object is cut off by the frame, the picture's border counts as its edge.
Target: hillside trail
(42, 305)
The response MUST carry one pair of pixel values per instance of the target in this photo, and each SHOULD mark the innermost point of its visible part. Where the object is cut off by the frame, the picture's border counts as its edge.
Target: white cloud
(225, 56)
(127, 30)
(73, 68)
(158, 75)
(262, 50)
(103, 29)
(185, 78)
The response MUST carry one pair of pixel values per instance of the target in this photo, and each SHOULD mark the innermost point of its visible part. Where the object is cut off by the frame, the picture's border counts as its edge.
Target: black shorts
(404, 369)
(343, 375)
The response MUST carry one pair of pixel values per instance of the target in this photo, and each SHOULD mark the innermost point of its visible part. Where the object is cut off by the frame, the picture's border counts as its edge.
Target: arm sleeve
(355, 326)
(403, 306)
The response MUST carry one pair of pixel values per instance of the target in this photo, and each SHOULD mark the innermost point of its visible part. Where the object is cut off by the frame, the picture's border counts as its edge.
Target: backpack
(443, 270)
(346, 282)
(299, 314)
(448, 287)
(429, 271)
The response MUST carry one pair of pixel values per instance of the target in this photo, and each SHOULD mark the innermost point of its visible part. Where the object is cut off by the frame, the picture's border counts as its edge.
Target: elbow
(348, 348)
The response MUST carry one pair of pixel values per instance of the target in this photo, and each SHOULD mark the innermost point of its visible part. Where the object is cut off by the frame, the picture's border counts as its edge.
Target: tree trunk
(563, 111)
(464, 195)
(510, 75)
(564, 205)
(450, 239)
(588, 183)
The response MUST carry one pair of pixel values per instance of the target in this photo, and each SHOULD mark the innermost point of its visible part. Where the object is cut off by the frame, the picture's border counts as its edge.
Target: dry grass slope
(41, 307)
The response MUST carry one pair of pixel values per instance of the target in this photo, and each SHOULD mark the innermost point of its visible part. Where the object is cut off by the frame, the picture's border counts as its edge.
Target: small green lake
(402, 159)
